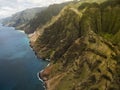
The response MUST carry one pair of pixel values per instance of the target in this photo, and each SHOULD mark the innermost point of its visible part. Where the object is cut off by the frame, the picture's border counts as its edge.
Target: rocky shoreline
(42, 75)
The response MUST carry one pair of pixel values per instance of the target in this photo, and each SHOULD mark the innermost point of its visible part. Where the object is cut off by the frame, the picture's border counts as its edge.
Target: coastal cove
(18, 63)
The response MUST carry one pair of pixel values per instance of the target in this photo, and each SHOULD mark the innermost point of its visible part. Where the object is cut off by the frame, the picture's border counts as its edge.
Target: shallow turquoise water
(18, 64)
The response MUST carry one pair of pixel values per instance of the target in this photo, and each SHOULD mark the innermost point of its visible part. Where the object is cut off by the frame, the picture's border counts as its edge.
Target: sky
(9, 7)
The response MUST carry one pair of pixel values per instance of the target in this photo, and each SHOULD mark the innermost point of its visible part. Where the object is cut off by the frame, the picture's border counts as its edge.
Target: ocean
(18, 63)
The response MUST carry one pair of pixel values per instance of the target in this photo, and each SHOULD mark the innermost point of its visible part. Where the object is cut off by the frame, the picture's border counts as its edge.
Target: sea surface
(18, 64)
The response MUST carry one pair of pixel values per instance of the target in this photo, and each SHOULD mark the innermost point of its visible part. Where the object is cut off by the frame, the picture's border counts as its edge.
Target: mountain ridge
(79, 44)
(30, 19)
(19, 19)
(82, 43)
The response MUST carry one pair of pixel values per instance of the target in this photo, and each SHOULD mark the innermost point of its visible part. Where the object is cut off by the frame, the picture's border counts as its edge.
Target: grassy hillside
(82, 43)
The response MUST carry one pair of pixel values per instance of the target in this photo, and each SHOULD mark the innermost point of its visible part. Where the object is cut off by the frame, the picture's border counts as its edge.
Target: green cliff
(82, 43)
(20, 19)
(43, 17)
(30, 19)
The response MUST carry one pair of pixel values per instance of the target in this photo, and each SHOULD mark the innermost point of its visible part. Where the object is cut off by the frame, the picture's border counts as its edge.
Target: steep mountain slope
(83, 46)
(44, 16)
(19, 19)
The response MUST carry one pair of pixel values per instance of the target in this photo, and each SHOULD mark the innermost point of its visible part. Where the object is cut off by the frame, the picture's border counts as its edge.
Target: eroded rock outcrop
(81, 47)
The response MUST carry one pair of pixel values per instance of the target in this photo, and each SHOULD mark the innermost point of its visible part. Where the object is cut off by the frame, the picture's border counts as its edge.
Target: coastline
(44, 74)
(43, 79)
(41, 74)
(26, 41)
(32, 37)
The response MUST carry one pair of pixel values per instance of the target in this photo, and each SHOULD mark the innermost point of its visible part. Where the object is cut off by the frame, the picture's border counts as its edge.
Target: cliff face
(29, 20)
(20, 19)
(43, 17)
(82, 43)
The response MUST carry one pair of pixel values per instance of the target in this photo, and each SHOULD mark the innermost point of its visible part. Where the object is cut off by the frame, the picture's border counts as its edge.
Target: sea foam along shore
(41, 79)
(21, 31)
(31, 45)
(39, 75)
(32, 38)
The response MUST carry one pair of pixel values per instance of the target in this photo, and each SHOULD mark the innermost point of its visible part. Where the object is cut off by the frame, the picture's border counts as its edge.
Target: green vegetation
(83, 45)
(44, 16)
(31, 19)
(20, 19)
(82, 40)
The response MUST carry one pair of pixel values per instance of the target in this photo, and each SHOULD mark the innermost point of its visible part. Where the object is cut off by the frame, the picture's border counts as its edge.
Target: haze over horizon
(7, 8)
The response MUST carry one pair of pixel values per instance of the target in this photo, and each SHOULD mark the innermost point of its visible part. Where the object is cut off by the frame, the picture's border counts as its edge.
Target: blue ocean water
(18, 64)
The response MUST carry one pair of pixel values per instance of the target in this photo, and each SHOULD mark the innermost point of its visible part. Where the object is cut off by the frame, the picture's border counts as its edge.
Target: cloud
(9, 7)
(6, 11)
